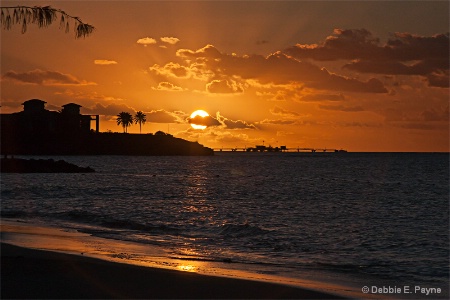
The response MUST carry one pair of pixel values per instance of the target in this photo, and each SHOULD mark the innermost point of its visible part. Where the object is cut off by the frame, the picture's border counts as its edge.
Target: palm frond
(43, 16)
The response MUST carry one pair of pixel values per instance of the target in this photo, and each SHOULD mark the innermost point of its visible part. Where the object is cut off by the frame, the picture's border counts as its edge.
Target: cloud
(196, 70)
(276, 68)
(323, 97)
(230, 124)
(278, 95)
(393, 67)
(88, 95)
(146, 41)
(342, 108)
(164, 116)
(343, 44)
(278, 122)
(206, 121)
(225, 137)
(439, 79)
(261, 42)
(435, 77)
(223, 86)
(435, 70)
(109, 110)
(221, 121)
(283, 112)
(171, 69)
(46, 78)
(207, 51)
(402, 54)
(341, 83)
(167, 86)
(436, 115)
(105, 62)
(15, 104)
(170, 40)
(407, 47)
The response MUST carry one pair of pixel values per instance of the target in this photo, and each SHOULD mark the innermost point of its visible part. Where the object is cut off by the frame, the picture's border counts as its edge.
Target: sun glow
(198, 113)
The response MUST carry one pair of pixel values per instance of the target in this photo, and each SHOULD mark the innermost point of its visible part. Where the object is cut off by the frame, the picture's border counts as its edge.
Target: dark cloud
(205, 121)
(261, 42)
(41, 77)
(342, 108)
(110, 110)
(402, 54)
(276, 68)
(239, 124)
(415, 125)
(220, 120)
(164, 116)
(323, 97)
(340, 83)
(439, 79)
(283, 112)
(231, 124)
(360, 44)
(11, 103)
(407, 47)
(436, 115)
(344, 44)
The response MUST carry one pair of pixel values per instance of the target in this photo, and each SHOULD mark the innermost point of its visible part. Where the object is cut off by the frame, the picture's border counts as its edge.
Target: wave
(241, 230)
(95, 223)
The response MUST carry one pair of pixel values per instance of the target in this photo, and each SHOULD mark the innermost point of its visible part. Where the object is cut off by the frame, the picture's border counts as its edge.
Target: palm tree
(43, 17)
(125, 119)
(139, 117)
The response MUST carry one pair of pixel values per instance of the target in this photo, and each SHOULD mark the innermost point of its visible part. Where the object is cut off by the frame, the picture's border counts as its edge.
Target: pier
(277, 149)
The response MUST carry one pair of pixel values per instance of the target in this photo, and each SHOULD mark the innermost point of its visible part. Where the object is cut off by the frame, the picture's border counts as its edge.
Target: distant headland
(38, 131)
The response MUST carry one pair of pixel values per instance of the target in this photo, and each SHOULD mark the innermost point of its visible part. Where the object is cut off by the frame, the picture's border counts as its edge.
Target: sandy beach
(29, 273)
(50, 263)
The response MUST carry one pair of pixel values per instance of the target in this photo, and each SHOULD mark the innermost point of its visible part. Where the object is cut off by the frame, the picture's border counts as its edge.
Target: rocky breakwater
(20, 165)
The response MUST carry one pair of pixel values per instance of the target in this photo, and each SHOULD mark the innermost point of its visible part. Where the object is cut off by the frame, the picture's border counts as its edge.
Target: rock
(20, 165)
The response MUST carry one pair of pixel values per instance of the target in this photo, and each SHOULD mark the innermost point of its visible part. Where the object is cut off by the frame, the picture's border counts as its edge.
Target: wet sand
(29, 273)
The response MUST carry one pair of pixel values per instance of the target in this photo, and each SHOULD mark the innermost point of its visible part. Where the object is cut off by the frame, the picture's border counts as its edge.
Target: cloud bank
(46, 78)
(277, 68)
(402, 54)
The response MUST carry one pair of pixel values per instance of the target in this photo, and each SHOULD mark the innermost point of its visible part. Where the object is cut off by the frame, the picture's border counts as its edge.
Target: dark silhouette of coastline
(19, 165)
(100, 144)
(38, 131)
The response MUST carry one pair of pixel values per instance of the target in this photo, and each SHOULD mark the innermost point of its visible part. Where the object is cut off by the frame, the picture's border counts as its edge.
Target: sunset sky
(357, 75)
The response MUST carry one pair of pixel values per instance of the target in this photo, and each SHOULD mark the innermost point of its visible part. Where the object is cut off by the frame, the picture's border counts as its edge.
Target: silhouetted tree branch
(43, 17)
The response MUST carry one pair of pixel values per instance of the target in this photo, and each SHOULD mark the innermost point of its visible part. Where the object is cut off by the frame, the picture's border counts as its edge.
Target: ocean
(358, 219)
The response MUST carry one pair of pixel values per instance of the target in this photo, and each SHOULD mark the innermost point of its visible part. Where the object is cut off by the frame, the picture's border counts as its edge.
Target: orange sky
(363, 76)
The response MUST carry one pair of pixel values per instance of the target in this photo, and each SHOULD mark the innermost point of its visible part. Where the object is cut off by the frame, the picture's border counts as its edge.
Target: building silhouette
(35, 119)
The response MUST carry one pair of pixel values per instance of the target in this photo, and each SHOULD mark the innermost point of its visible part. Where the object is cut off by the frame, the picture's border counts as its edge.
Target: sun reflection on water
(186, 268)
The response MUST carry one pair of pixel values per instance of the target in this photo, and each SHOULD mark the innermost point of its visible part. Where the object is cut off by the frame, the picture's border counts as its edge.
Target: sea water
(375, 220)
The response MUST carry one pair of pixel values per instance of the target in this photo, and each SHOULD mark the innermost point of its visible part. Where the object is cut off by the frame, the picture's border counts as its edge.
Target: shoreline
(31, 273)
(45, 262)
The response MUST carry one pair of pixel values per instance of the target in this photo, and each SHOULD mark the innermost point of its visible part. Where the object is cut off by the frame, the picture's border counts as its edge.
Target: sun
(198, 113)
